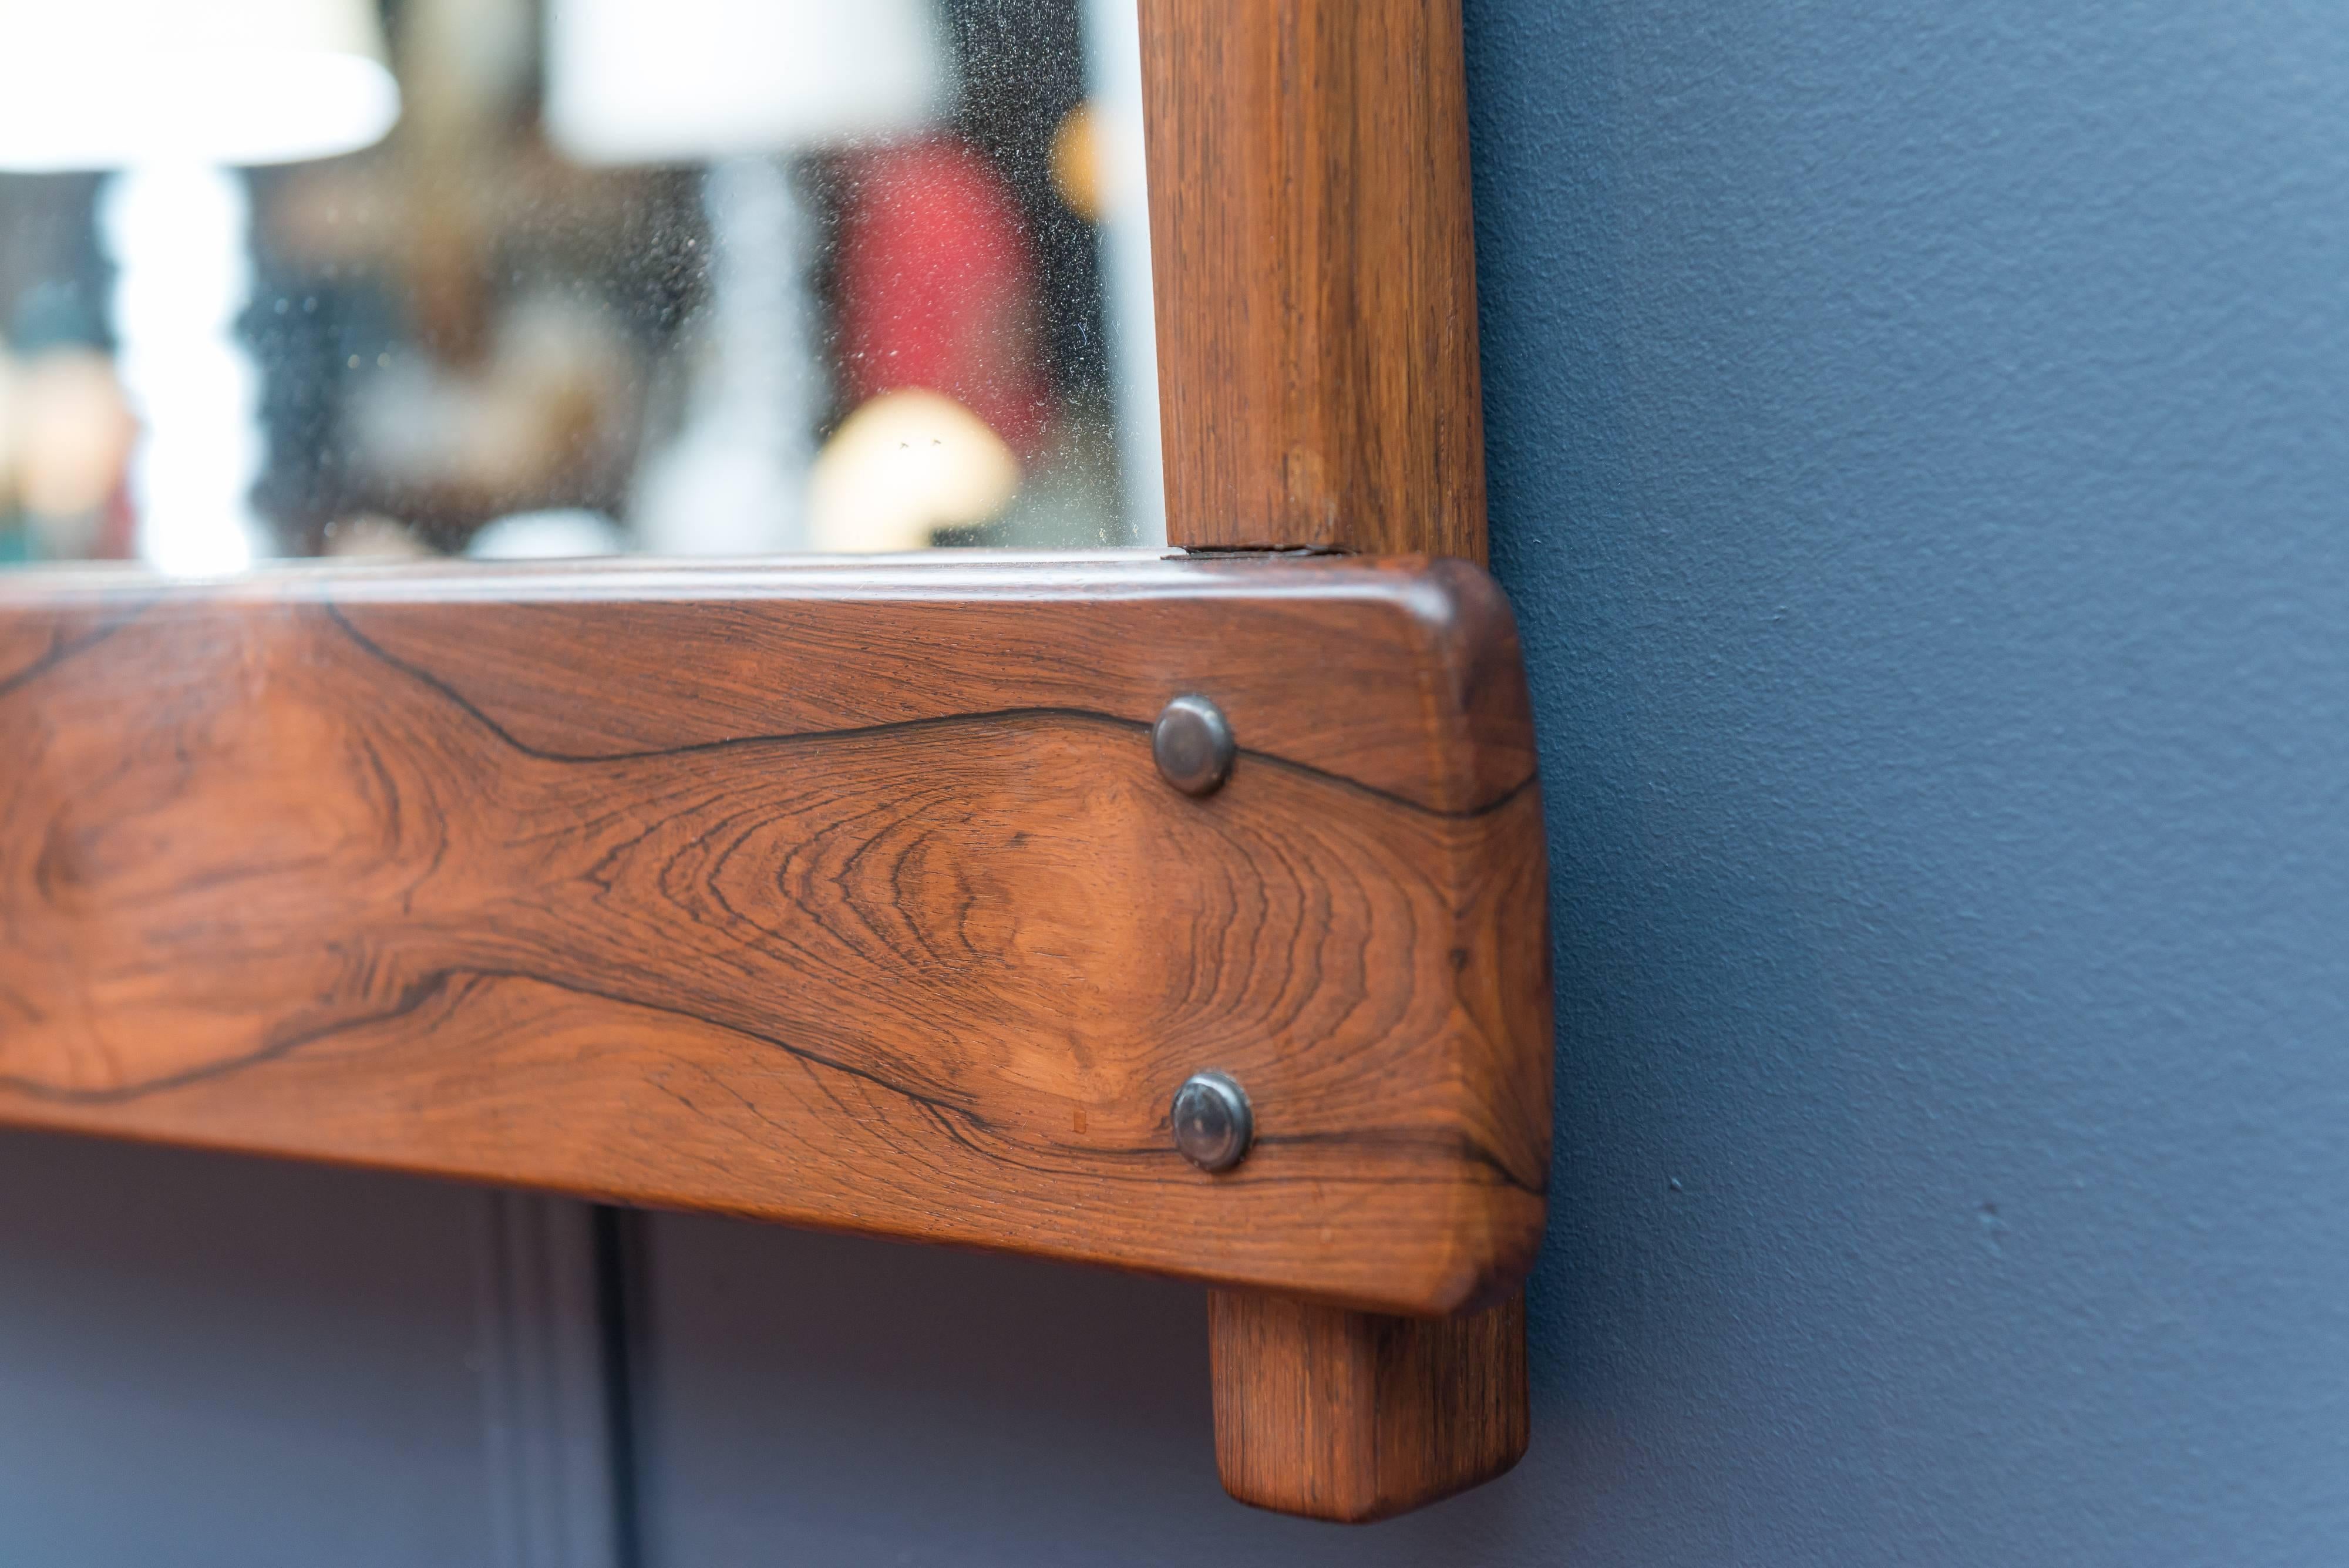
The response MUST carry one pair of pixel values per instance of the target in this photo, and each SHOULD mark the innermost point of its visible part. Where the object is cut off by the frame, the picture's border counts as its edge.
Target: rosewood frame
(1315, 265)
(844, 894)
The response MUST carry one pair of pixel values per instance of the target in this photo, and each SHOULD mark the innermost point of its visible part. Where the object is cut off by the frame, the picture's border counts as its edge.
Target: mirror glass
(514, 278)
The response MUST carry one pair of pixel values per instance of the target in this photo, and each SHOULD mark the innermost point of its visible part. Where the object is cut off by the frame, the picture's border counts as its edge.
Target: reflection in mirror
(555, 277)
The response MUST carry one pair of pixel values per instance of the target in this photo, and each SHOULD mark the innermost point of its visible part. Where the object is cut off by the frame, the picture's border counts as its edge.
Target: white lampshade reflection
(904, 465)
(110, 84)
(681, 81)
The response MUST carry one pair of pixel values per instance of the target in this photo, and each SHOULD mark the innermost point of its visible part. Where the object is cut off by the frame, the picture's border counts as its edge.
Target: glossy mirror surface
(561, 277)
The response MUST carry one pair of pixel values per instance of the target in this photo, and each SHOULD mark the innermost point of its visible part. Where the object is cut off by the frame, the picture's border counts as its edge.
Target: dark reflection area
(722, 277)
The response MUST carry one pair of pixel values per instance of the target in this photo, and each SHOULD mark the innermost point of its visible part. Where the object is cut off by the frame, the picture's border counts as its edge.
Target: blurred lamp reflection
(106, 84)
(741, 83)
(182, 274)
(687, 81)
(170, 92)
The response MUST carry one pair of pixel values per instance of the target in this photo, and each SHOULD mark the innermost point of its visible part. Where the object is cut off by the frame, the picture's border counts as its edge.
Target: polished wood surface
(1354, 1417)
(1315, 268)
(847, 896)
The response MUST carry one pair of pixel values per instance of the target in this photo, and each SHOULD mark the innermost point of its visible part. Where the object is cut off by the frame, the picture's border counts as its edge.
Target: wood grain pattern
(1314, 262)
(1354, 1417)
(1315, 271)
(846, 896)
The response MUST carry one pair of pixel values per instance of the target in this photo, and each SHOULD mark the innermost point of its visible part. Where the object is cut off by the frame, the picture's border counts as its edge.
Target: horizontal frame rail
(838, 894)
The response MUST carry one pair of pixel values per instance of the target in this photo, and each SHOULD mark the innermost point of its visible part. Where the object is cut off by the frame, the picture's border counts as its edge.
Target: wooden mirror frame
(847, 893)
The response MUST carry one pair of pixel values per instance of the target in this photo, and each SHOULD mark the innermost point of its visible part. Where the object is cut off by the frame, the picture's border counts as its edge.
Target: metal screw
(1213, 1124)
(1194, 745)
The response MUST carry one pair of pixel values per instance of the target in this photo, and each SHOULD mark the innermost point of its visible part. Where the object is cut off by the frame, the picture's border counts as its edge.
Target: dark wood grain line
(1467, 1149)
(412, 999)
(957, 1120)
(434, 985)
(62, 646)
(1031, 713)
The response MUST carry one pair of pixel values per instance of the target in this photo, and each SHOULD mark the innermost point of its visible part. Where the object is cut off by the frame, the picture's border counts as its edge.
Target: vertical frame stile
(1315, 264)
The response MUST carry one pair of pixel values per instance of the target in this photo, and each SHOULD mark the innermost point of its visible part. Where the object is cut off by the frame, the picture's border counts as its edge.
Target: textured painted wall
(216, 1361)
(208, 1359)
(1920, 461)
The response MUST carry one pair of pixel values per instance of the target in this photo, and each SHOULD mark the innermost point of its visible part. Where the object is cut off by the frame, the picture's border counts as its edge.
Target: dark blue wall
(211, 1361)
(1919, 448)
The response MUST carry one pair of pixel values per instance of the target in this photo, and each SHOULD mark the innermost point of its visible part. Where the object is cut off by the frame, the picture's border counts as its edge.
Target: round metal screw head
(1213, 1125)
(1194, 745)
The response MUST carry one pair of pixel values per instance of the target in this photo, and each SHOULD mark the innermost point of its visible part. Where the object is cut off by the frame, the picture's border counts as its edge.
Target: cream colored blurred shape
(74, 433)
(109, 84)
(684, 81)
(902, 467)
(64, 435)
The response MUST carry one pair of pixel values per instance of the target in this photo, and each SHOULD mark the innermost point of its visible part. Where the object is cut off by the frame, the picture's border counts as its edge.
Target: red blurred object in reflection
(937, 287)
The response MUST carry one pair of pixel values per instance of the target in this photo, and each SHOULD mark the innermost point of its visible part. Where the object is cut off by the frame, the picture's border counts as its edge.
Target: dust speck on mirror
(391, 279)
